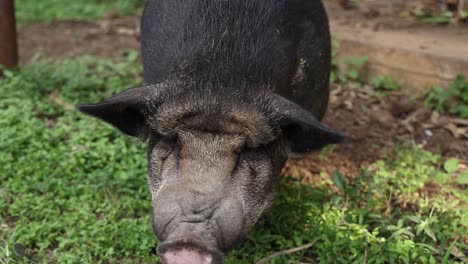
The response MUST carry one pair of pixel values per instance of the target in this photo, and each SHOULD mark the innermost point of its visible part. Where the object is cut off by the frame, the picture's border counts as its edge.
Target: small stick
(365, 251)
(286, 252)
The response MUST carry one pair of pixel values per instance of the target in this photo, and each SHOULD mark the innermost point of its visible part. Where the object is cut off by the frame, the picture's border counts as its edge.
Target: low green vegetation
(73, 190)
(28, 11)
(453, 100)
(404, 208)
(444, 17)
(386, 83)
(345, 70)
(348, 69)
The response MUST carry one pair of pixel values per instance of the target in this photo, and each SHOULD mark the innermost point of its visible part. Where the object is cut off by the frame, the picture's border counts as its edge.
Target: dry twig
(287, 252)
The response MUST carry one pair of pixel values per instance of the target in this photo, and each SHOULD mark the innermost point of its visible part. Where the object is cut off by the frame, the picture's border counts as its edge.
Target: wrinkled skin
(208, 189)
(231, 88)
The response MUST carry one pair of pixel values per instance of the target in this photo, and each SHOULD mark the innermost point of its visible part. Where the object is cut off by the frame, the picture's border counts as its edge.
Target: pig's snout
(196, 230)
(189, 250)
(187, 256)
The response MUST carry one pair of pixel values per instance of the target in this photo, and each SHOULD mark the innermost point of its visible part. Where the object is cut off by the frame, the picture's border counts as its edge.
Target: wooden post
(8, 43)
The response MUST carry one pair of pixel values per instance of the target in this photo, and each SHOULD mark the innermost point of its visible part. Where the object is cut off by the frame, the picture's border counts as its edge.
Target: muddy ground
(373, 122)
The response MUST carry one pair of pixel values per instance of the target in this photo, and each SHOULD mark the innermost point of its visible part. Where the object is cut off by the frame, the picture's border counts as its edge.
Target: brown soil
(394, 14)
(70, 39)
(372, 121)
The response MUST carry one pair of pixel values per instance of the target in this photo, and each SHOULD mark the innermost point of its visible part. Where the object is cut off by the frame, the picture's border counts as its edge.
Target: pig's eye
(171, 139)
(178, 141)
(156, 137)
(239, 149)
(166, 146)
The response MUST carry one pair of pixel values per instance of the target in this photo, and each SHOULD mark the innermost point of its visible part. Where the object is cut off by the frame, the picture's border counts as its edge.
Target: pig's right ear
(125, 111)
(301, 128)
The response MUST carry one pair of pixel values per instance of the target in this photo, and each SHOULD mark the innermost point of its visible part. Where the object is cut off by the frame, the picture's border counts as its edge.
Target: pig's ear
(302, 129)
(125, 111)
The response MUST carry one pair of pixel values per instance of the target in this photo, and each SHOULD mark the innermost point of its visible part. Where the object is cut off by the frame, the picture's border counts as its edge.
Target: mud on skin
(231, 88)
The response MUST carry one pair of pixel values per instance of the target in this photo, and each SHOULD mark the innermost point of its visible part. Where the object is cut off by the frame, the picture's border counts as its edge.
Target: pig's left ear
(126, 110)
(302, 129)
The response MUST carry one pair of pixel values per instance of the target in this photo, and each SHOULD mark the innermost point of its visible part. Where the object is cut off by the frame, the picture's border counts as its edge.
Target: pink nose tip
(186, 256)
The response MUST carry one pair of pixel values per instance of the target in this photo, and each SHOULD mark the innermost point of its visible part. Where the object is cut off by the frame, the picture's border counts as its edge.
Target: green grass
(73, 190)
(443, 17)
(453, 100)
(28, 11)
(382, 216)
(386, 83)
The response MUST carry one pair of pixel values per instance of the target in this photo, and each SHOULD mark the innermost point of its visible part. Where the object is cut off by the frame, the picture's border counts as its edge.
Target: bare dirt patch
(397, 44)
(69, 39)
(373, 122)
(395, 14)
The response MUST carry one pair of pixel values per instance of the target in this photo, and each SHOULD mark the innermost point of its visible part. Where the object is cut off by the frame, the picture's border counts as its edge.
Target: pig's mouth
(189, 250)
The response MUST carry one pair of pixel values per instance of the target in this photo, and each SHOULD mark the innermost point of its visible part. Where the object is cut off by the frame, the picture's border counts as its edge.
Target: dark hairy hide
(218, 45)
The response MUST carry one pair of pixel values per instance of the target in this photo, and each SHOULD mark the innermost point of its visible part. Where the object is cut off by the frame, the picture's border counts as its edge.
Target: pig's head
(213, 161)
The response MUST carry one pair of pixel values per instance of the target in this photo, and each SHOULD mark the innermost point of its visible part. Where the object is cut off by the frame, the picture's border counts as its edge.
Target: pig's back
(233, 44)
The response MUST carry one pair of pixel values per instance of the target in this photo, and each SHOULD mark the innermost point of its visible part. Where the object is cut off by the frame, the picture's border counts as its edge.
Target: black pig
(231, 88)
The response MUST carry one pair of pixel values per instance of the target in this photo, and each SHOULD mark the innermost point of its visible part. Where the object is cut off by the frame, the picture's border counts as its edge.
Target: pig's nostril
(206, 211)
(197, 211)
